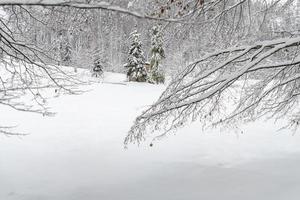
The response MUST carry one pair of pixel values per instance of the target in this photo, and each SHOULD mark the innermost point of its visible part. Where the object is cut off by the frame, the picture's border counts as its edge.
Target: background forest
(73, 36)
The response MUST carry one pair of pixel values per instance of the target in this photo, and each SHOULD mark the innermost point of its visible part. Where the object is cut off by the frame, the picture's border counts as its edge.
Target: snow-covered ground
(79, 155)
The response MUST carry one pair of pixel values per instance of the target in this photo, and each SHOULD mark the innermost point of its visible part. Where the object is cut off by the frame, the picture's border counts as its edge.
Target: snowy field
(79, 155)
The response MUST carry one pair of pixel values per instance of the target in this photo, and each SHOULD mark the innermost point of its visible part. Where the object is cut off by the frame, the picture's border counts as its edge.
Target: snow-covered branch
(25, 74)
(257, 80)
(83, 5)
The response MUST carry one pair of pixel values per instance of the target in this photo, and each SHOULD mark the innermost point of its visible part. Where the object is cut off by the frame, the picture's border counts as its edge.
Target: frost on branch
(262, 79)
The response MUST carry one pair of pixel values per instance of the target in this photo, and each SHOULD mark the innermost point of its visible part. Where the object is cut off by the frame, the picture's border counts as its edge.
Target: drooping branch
(257, 80)
(8, 131)
(24, 74)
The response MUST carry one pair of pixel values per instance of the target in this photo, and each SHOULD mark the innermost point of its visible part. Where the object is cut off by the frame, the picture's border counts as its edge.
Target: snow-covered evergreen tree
(136, 70)
(98, 61)
(157, 54)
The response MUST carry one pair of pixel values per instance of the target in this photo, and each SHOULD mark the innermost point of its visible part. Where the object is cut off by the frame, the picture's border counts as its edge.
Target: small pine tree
(136, 70)
(98, 62)
(157, 54)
